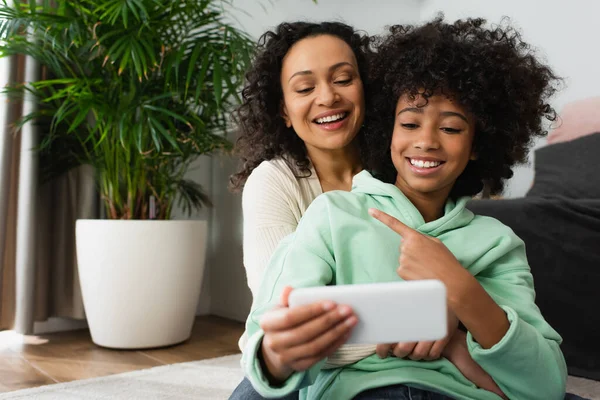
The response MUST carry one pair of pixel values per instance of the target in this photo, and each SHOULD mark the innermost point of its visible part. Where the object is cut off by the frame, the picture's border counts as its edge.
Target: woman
(302, 111)
(303, 107)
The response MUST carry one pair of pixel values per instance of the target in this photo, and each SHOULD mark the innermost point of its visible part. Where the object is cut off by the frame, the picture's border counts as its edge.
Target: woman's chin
(334, 143)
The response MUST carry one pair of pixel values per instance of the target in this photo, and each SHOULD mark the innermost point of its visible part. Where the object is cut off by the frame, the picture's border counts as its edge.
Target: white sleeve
(270, 212)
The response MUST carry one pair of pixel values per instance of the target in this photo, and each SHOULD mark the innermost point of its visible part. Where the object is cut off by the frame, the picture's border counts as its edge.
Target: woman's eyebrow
(333, 67)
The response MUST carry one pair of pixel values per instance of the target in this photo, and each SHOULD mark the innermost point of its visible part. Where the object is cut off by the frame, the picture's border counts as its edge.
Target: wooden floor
(68, 356)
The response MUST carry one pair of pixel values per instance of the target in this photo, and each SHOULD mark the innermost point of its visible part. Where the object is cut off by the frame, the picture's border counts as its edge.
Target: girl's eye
(451, 130)
(409, 126)
(304, 90)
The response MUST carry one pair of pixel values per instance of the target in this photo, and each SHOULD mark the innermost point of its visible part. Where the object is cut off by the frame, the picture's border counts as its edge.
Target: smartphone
(390, 312)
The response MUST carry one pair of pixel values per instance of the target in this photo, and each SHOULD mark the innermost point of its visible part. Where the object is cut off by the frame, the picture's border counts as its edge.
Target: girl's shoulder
(492, 230)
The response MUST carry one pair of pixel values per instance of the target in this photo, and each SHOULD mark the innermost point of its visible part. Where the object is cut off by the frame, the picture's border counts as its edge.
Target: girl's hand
(296, 339)
(420, 350)
(422, 256)
(458, 354)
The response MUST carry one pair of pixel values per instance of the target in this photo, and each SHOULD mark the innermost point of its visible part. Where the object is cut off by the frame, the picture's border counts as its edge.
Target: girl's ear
(284, 115)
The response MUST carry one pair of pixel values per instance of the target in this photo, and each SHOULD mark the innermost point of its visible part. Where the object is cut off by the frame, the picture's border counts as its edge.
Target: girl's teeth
(424, 164)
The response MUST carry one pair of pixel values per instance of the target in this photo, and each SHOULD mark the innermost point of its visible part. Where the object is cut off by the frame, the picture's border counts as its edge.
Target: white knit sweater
(273, 201)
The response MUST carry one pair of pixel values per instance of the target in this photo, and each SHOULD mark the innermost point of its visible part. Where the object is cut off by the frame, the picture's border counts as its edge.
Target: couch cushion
(562, 238)
(568, 169)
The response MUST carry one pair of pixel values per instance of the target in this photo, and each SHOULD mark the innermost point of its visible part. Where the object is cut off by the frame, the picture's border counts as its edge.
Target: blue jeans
(399, 392)
(402, 392)
(570, 396)
(245, 391)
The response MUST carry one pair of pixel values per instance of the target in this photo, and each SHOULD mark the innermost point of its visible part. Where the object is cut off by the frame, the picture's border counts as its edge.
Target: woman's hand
(420, 350)
(458, 354)
(296, 339)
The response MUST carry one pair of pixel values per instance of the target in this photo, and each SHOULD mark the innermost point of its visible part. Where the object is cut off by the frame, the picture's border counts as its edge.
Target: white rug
(212, 379)
(208, 379)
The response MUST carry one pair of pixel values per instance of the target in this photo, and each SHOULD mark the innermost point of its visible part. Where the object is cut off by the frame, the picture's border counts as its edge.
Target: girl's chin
(421, 188)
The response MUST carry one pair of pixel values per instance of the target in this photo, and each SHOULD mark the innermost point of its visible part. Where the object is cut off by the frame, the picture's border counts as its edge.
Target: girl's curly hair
(263, 134)
(491, 72)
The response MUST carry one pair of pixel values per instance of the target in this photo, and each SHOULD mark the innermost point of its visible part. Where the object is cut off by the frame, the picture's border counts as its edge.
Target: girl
(455, 106)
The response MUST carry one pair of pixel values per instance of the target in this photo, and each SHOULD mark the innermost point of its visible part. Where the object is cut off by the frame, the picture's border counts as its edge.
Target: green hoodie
(338, 243)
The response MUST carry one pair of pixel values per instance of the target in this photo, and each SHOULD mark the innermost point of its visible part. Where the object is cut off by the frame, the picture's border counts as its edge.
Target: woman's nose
(326, 95)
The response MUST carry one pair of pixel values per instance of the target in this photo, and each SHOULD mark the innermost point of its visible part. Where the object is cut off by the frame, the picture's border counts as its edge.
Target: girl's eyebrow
(454, 114)
(332, 68)
(419, 110)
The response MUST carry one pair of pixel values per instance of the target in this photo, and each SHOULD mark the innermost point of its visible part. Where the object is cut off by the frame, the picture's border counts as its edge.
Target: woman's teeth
(425, 164)
(331, 118)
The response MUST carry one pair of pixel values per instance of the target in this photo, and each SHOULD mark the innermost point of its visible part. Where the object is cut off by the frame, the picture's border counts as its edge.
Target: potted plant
(138, 89)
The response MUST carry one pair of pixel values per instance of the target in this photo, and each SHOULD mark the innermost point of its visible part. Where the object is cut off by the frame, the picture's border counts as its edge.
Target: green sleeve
(303, 259)
(527, 363)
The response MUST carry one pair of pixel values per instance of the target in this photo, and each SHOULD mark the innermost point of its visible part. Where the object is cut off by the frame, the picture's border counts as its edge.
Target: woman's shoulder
(276, 179)
(276, 174)
(275, 168)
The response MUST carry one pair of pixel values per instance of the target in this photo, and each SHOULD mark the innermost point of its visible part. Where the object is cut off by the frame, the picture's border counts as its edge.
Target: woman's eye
(410, 126)
(451, 130)
(343, 81)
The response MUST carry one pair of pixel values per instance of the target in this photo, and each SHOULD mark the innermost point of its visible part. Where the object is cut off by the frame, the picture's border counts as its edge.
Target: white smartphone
(391, 312)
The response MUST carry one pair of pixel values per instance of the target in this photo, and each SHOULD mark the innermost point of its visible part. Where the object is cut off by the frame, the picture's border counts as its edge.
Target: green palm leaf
(136, 88)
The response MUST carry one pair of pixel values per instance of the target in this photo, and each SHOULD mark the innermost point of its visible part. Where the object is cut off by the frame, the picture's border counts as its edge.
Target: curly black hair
(263, 134)
(491, 72)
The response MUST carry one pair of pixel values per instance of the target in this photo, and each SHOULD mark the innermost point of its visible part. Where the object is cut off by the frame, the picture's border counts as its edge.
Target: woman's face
(431, 145)
(323, 98)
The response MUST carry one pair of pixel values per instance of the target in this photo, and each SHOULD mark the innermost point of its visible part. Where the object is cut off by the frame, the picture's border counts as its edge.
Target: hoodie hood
(395, 203)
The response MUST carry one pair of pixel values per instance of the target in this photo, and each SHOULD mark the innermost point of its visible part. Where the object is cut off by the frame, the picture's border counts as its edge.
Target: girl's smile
(425, 165)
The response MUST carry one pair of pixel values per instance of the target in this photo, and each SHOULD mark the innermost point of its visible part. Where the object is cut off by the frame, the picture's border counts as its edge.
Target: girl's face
(431, 145)
(323, 99)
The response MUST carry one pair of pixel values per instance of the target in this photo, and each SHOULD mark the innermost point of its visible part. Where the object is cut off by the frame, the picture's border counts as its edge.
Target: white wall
(256, 16)
(230, 296)
(565, 33)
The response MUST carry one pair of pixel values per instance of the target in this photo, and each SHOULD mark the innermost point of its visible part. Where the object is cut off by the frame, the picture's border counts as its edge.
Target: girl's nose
(427, 139)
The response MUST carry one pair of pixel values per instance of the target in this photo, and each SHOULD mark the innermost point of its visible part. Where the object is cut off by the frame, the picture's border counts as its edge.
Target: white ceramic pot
(140, 280)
